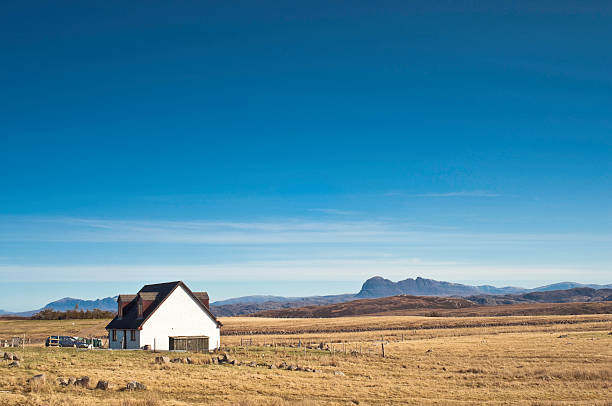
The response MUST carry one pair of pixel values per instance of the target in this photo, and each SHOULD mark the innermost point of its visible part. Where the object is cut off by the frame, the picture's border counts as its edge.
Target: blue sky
(300, 148)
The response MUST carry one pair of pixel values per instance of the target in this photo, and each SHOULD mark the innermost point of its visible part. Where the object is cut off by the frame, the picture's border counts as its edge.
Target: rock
(563, 336)
(338, 373)
(316, 371)
(102, 385)
(8, 356)
(177, 360)
(62, 381)
(135, 386)
(215, 361)
(40, 378)
(162, 360)
(16, 357)
(82, 382)
(252, 364)
(71, 380)
(429, 351)
(189, 360)
(282, 365)
(14, 364)
(308, 369)
(292, 368)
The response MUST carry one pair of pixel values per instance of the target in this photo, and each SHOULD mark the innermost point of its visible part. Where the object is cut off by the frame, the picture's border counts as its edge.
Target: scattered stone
(429, 351)
(252, 364)
(189, 360)
(16, 357)
(162, 360)
(292, 368)
(14, 364)
(71, 380)
(338, 373)
(102, 385)
(215, 361)
(82, 382)
(282, 365)
(40, 378)
(135, 386)
(177, 360)
(272, 366)
(316, 371)
(62, 382)
(8, 356)
(563, 336)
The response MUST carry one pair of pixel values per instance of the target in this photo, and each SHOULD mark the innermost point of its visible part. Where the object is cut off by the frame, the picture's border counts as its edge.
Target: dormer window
(140, 308)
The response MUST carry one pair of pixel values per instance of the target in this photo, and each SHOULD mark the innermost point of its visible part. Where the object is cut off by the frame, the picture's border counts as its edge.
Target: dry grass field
(539, 360)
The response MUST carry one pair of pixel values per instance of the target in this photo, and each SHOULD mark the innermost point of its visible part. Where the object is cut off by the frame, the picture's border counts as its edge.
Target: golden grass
(450, 363)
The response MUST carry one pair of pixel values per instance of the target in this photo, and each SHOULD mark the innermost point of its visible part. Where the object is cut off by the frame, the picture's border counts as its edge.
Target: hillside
(371, 306)
(550, 296)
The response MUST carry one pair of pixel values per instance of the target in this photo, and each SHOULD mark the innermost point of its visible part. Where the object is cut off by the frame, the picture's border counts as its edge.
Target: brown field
(525, 360)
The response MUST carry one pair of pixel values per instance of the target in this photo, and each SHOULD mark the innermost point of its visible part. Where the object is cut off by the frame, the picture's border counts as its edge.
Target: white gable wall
(178, 315)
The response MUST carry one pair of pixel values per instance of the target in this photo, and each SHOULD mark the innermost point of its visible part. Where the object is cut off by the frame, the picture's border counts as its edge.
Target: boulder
(102, 385)
(162, 360)
(40, 378)
(135, 386)
(14, 364)
(82, 382)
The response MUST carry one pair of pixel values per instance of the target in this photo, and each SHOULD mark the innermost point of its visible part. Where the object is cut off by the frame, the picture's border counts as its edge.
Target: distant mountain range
(375, 287)
(380, 287)
(69, 303)
(569, 301)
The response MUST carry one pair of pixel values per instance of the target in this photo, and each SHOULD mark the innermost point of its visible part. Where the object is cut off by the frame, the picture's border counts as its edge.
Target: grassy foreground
(449, 363)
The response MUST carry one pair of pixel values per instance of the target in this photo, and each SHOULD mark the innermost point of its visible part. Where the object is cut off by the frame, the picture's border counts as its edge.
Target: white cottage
(164, 316)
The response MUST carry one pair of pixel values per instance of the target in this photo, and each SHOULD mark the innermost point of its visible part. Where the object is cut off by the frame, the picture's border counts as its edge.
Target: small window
(114, 335)
(139, 309)
(132, 335)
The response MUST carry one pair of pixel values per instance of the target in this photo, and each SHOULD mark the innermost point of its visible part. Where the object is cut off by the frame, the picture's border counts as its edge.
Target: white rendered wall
(178, 315)
(117, 345)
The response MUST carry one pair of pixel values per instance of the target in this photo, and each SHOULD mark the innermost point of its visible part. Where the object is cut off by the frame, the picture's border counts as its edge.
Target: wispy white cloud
(473, 193)
(303, 269)
(335, 211)
(283, 231)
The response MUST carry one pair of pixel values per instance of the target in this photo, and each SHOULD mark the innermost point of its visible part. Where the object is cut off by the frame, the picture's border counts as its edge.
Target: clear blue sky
(300, 147)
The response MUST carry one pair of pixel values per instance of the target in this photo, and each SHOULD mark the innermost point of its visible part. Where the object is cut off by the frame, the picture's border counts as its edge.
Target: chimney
(203, 298)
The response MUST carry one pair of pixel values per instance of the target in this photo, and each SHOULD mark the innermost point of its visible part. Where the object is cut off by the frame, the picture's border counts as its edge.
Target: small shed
(189, 343)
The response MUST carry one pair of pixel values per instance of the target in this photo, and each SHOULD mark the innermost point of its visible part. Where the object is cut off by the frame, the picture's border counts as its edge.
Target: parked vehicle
(67, 341)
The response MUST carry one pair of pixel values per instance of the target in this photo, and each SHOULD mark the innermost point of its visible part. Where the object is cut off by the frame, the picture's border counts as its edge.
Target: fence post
(382, 346)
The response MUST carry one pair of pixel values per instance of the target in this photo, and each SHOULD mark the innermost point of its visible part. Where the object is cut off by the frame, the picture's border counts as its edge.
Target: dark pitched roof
(157, 293)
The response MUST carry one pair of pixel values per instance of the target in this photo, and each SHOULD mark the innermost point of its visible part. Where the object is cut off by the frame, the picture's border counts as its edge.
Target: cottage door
(124, 340)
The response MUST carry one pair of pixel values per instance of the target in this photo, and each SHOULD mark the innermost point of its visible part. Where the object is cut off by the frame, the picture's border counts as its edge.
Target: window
(114, 338)
(139, 308)
(132, 335)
